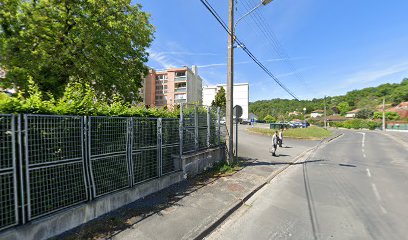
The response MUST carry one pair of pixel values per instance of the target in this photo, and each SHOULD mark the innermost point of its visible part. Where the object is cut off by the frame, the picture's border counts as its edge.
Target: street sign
(237, 111)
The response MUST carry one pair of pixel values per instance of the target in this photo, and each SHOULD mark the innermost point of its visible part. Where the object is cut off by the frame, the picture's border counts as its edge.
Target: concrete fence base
(57, 223)
(198, 162)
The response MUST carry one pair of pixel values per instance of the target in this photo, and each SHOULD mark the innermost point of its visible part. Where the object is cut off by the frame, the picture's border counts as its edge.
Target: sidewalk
(194, 216)
(192, 209)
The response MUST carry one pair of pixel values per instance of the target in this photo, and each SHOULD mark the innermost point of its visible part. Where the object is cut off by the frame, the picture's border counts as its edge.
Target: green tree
(388, 115)
(220, 100)
(343, 107)
(101, 43)
(364, 113)
(269, 119)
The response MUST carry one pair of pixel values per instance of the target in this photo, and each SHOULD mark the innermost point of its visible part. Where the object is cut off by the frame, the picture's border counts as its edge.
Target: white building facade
(241, 96)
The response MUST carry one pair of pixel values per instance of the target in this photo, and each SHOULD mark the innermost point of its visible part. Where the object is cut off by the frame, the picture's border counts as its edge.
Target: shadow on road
(256, 163)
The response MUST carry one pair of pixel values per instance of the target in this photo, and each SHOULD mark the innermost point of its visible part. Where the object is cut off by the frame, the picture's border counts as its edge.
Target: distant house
(294, 113)
(352, 114)
(316, 113)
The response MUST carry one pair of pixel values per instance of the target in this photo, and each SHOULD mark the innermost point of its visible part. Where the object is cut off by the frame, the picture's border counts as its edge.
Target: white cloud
(375, 74)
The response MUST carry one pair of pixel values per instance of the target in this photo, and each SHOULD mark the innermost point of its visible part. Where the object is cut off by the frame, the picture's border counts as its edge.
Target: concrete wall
(196, 163)
(57, 223)
(65, 220)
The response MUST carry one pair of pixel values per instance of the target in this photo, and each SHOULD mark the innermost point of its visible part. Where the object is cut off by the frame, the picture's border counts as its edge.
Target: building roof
(336, 118)
(318, 111)
(354, 111)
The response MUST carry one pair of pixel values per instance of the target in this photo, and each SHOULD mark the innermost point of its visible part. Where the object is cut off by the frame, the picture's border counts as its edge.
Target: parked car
(245, 121)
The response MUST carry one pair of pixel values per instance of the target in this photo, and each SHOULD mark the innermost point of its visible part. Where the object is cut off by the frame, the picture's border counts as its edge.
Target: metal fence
(8, 180)
(200, 127)
(49, 163)
(54, 163)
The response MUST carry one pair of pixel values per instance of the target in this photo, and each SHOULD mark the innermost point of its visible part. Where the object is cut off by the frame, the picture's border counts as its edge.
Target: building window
(180, 74)
(161, 77)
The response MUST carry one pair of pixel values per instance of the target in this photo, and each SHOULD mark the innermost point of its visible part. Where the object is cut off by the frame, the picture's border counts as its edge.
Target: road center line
(368, 172)
(377, 194)
(364, 155)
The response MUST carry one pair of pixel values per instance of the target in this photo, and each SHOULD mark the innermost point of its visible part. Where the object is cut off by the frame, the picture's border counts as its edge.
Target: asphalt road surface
(354, 187)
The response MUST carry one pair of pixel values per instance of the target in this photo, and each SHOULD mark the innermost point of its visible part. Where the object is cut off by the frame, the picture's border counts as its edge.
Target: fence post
(21, 172)
(86, 157)
(181, 128)
(159, 145)
(196, 128)
(129, 151)
(218, 126)
(208, 126)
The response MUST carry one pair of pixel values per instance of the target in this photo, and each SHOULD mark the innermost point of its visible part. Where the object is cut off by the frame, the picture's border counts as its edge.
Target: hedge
(78, 99)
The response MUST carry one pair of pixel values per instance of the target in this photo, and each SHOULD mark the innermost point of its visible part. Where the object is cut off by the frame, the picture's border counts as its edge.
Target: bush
(78, 99)
(356, 124)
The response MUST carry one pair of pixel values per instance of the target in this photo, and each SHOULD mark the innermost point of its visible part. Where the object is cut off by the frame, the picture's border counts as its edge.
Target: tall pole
(383, 117)
(230, 83)
(325, 116)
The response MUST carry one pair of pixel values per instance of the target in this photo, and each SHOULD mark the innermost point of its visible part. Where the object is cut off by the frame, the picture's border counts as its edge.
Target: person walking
(275, 141)
(280, 137)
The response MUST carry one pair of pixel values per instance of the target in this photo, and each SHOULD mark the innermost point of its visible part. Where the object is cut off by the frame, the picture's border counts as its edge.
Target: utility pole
(383, 117)
(325, 116)
(230, 82)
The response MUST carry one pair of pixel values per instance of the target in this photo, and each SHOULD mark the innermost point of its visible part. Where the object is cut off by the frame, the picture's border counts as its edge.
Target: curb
(240, 202)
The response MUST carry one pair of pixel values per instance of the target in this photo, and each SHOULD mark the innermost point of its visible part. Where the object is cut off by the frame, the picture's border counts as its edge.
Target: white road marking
(377, 194)
(383, 209)
(368, 172)
(362, 142)
(364, 155)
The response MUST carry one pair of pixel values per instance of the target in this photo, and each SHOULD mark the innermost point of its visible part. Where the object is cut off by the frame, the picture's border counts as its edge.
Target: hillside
(368, 98)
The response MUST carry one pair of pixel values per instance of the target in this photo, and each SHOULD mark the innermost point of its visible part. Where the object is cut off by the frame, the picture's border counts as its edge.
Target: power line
(276, 45)
(245, 49)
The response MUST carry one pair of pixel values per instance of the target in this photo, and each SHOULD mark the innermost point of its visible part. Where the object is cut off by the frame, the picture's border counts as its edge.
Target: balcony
(180, 100)
(180, 79)
(181, 89)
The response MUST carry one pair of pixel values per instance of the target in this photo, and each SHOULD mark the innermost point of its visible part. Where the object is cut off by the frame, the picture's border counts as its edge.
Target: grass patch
(312, 132)
(222, 169)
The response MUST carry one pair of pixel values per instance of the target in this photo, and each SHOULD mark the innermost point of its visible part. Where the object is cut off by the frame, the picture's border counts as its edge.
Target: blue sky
(333, 46)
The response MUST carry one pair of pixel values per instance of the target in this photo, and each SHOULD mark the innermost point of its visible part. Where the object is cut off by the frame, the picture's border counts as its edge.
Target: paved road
(355, 187)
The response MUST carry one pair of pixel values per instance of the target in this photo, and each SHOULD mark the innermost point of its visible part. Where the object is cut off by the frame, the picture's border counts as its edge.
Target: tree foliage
(388, 116)
(343, 107)
(77, 99)
(219, 100)
(100, 43)
(367, 98)
(269, 119)
(364, 113)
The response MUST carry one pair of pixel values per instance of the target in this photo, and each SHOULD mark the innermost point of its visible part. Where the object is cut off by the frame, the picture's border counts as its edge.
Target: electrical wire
(245, 49)
(275, 43)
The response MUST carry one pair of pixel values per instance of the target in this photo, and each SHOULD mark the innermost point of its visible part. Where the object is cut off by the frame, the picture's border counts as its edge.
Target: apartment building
(172, 87)
(241, 96)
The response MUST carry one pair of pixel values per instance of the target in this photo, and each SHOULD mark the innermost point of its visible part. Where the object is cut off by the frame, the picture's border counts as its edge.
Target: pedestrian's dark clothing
(280, 138)
(275, 141)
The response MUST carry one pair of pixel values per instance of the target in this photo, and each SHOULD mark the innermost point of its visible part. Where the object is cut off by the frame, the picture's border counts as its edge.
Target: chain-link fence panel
(171, 156)
(214, 127)
(202, 114)
(54, 163)
(108, 143)
(223, 127)
(189, 128)
(145, 158)
(8, 188)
